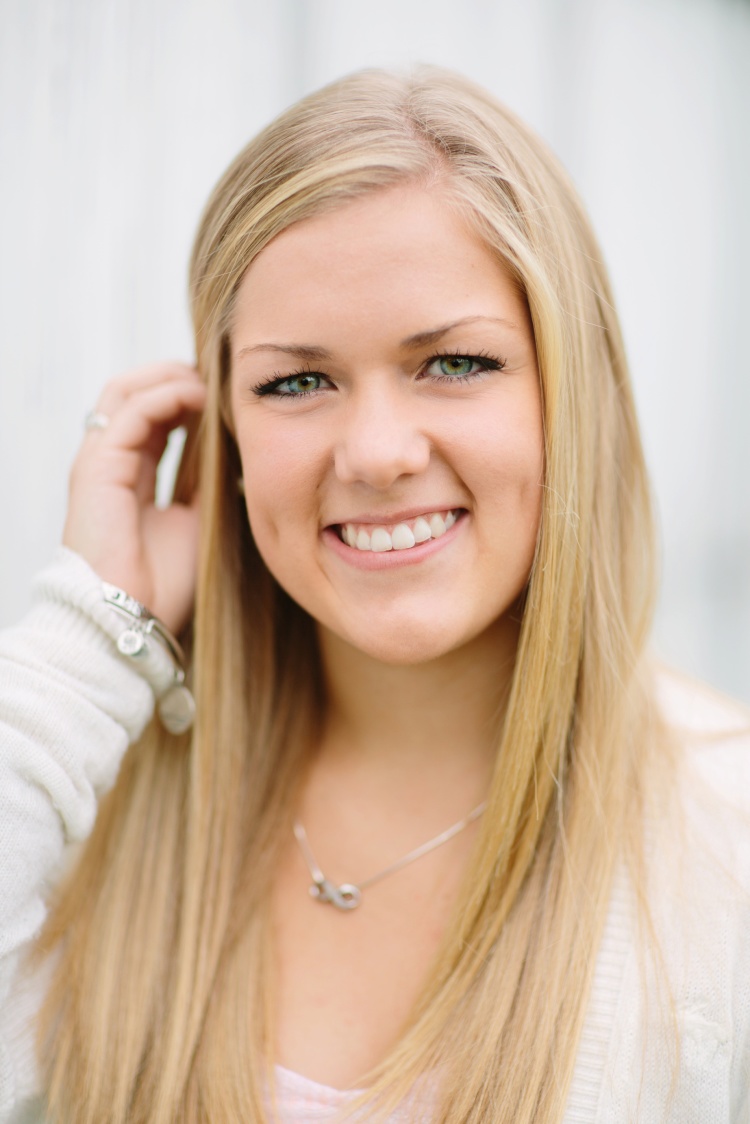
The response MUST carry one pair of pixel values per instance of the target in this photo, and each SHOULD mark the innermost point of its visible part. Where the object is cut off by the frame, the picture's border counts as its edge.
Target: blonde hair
(160, 1005)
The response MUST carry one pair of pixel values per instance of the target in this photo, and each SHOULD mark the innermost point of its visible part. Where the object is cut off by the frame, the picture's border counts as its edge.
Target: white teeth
(380, 540)
(422, 530)
(402, 537)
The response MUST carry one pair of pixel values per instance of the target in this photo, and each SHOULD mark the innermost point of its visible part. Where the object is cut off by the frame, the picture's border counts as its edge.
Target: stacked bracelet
(148, 641)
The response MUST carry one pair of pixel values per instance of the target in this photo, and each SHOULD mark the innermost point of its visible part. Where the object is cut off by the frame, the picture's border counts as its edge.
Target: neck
(434, 724)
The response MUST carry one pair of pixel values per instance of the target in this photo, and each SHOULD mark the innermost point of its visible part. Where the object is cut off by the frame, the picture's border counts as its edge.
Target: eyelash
(486, 361)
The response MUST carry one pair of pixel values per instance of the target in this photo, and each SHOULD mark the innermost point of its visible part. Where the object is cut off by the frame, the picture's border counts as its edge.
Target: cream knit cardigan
(69, 707)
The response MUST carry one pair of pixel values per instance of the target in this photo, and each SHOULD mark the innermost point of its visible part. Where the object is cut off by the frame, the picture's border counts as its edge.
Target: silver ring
(95, 420)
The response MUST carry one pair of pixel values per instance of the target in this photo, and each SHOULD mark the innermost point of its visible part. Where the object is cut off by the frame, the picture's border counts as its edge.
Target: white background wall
(117, 116)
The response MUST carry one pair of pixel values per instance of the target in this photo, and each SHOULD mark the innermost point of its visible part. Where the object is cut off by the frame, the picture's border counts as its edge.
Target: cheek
(279, 472)
(508, 454)
(509, 470)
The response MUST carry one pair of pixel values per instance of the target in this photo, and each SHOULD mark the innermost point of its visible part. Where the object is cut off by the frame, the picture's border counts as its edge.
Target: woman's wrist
(156, 653)
(138, 637)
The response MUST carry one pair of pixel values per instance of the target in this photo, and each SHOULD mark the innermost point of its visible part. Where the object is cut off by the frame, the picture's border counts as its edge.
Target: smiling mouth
(400, 536)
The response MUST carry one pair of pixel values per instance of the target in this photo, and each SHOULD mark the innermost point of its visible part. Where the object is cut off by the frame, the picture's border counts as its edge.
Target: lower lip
(391, 559)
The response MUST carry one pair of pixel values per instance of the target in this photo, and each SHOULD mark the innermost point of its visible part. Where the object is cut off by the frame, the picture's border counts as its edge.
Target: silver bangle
(175, 702)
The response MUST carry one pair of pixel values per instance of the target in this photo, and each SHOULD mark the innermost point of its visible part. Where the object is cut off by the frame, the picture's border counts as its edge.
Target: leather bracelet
(175, 702)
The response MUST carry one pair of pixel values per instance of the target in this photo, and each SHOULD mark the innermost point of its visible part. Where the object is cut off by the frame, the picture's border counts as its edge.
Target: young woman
(439, 845)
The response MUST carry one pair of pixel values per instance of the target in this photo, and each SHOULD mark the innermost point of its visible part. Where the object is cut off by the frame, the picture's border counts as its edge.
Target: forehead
(403, 254)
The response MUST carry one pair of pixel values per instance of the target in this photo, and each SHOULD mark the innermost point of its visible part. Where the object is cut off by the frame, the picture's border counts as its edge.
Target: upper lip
(400, 516)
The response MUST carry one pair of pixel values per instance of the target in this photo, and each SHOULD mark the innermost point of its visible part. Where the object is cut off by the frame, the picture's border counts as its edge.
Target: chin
(403, 646)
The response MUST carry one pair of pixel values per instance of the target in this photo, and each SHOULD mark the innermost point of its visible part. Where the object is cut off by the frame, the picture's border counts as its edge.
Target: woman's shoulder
(711, 733)
(699, 879)
(672, 984)
(696, 708)
(700, 835)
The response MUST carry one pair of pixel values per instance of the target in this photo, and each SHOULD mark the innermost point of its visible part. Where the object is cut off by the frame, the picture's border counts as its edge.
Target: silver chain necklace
(348, 895)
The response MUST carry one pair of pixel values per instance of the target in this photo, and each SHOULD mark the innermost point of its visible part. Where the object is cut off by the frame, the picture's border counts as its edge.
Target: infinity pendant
(344, 896)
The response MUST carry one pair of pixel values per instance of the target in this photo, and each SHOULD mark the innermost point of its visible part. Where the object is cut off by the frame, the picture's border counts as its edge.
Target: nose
(380, 440)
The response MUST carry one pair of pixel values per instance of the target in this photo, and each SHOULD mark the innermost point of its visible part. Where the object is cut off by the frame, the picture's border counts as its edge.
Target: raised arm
(70, 702)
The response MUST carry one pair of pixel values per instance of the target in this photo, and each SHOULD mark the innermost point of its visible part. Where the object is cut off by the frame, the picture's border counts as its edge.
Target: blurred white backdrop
(117, 116)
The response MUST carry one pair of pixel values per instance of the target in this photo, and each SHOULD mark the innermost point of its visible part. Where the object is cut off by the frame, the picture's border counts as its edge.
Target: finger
(122, 387)
(128, 450)
(148, 415)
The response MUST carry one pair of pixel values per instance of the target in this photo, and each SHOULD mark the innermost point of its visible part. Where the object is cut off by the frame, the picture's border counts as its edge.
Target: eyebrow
(300, 350)
(425, 339)
(313, 354)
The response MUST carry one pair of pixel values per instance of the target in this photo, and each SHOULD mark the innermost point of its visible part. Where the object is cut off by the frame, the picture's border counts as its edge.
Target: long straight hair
(161, 1000)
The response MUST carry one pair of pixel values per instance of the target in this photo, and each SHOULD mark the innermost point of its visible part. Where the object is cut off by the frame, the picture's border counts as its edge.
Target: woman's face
(387, 409)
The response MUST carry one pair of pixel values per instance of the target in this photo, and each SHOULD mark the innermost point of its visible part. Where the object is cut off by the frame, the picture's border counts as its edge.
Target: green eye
(461, 367)
(456, 364)
(299, 384)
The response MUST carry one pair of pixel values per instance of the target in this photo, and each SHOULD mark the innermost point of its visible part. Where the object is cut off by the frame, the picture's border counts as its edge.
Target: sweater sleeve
(69, 706)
